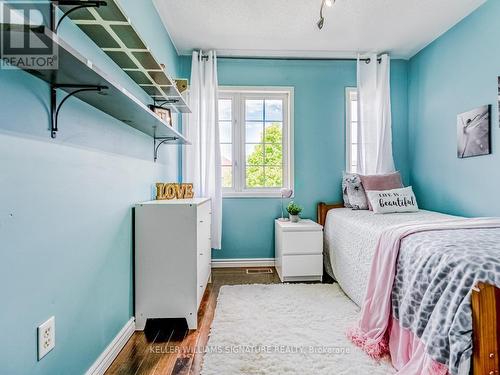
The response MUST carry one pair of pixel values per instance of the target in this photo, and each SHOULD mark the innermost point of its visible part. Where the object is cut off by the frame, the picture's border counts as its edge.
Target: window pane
(354, 132)
(354, 110)
(273, 176)
(254, 154)
(225, 110)
(254, 132)
(225, 131)
(227, 177)
(254, 110)
(273, 154)
(254, 176)
(274, 110)
(226, 154)
(354, 154)
(273, 132)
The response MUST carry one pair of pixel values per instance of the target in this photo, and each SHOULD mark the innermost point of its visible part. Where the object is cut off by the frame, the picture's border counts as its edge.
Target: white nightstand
(299, 250)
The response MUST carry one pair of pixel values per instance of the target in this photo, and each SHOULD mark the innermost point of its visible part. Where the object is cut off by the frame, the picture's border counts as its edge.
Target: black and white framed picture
(473, 132)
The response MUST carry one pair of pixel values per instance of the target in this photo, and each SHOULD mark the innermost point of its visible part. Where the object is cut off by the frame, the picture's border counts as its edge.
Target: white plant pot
(294, 218)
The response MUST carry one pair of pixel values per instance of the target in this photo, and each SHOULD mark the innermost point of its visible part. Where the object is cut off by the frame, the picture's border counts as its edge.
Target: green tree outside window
(264, 165)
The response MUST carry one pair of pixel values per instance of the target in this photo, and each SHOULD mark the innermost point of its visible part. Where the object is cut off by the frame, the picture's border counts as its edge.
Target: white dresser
(172, 259)
(299, 250)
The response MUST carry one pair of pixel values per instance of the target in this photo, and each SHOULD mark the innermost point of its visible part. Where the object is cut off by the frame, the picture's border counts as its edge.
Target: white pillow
(395, 200)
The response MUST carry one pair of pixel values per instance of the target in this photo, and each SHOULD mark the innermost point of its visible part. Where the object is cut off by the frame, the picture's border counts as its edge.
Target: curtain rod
(366, 60)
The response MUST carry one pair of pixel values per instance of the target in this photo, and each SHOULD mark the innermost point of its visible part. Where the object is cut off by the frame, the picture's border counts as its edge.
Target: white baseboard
(243, 262)
(111, 352)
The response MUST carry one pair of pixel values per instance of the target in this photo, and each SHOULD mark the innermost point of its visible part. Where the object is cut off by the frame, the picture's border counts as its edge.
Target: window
(351, 131)
(255, 140)
(226, 141)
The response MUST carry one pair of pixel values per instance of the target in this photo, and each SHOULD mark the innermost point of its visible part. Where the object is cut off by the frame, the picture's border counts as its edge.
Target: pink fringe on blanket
(380, 349)
(438, 369)
(376, 350)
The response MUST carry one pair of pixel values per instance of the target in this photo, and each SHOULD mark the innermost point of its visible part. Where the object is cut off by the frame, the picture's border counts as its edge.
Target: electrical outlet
(46, 337)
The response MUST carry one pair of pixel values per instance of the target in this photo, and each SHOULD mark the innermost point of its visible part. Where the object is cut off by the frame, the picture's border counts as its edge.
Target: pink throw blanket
(377, 333)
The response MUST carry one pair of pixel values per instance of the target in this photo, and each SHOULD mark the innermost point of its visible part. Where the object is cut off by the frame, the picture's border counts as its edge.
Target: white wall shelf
(109, 27)
(79, 77)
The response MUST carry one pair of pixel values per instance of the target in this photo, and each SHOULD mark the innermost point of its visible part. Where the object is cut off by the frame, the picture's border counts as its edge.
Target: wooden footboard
(485, 317)
(486, 326)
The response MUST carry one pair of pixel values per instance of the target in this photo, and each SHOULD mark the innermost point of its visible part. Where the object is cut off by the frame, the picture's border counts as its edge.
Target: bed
(350, 238)
(347, 256)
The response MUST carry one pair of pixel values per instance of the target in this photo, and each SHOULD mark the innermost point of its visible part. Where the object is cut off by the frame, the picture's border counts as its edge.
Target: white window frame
(348, 122)
(238, 94)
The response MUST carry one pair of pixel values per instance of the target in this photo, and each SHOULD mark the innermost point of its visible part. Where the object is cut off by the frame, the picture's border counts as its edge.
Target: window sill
(252, 194)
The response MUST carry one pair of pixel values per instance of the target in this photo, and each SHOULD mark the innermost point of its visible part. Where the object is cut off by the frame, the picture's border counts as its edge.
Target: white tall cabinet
(172, 259)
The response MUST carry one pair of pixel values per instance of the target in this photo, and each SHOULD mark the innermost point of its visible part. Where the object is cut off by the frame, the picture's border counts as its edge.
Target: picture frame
(474, 132)
(164, 113)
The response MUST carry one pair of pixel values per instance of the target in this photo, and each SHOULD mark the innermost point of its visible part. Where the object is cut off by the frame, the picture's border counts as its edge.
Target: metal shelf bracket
(158, 141)
(55, 108)
(76, 4)
(162, 102)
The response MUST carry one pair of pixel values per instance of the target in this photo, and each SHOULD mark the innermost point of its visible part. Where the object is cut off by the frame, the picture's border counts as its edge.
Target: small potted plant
(293, 211)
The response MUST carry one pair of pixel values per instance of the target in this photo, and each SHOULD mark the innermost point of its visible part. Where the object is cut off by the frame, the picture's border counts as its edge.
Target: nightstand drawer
(302, 265)
(301, 243)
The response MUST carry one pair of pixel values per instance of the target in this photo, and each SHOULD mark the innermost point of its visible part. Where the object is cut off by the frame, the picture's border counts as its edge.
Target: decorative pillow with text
(381, 182)
(395, 200)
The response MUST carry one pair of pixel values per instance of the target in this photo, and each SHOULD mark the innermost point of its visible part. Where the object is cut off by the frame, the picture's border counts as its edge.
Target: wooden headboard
(323, 209)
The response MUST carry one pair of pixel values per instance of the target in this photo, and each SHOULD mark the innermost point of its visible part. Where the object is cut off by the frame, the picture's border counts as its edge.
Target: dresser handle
(201, 253)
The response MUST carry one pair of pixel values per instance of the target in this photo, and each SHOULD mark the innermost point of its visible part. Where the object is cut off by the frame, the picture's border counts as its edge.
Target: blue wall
(65, 218)
(248, 230)
(65, 211)
(454, 74)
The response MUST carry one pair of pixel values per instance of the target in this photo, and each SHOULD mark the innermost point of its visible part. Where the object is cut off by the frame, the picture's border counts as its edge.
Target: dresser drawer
(204, 269)
(302, 265)
(203, 212)
(301, 243)
(204, 265)
(203, 237)
(204, 226)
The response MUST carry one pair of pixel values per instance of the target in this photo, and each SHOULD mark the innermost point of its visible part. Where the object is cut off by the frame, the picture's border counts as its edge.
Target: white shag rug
(285, 329)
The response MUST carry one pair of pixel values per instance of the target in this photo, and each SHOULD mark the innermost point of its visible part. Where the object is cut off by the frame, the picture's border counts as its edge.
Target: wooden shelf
(115, 100)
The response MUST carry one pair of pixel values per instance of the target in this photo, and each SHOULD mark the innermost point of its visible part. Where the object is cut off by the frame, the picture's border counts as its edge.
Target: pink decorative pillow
(380, 182)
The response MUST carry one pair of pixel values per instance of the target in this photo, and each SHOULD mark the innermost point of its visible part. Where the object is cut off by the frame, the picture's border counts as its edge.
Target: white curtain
(374, 116)
(202, 158)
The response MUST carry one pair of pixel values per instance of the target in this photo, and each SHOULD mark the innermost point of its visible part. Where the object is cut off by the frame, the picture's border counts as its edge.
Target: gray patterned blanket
(436, 271)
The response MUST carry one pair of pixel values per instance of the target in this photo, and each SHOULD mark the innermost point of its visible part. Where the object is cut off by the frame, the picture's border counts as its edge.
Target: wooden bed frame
(485, 317)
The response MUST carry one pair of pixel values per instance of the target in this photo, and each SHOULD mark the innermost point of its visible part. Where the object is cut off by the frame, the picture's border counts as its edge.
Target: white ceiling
(287, 28)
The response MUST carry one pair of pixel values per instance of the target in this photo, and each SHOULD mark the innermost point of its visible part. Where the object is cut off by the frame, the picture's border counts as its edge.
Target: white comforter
(350, 240)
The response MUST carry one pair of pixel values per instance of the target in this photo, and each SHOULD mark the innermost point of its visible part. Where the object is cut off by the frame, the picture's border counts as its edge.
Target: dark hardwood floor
(167, 347)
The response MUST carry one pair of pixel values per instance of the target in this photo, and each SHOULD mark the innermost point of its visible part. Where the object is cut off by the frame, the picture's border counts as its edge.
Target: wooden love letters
(173, 191)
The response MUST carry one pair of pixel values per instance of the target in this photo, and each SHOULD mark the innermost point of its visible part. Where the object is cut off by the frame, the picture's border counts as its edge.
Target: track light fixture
(321, 21)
